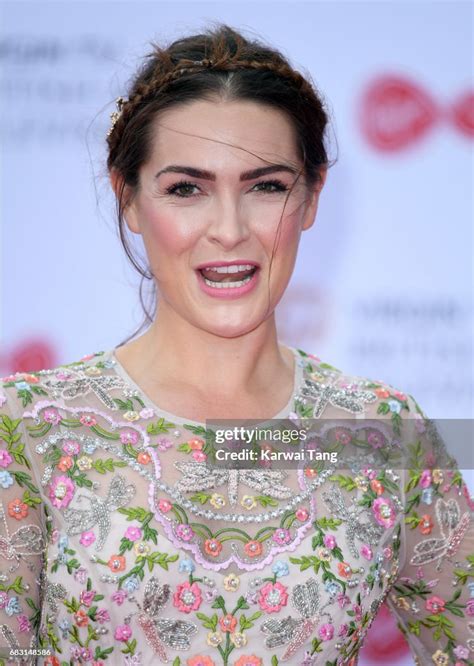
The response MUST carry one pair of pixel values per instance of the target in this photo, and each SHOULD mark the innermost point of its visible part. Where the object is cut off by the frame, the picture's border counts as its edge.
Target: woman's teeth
(229, 276)
(228, 283)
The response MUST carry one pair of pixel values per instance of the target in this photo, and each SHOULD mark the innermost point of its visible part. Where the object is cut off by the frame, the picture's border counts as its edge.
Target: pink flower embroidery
(366, 552)
(71, 447)
(187, 597)
(343, 600)
(5, 458)
(51, 415)
(329, 541)
(102, 616)
(461, 652)
(88, 420)
(272, 597)
(199, 456)
(133, 533)
(375, 440)
(425, 479)
(228, 623)
(23, 623)
(326, 632)
(61, 491)
(164, 505)
(164, 443)
(87, 538)
(147, 413)
(281, 536)
(342, 436)
(343, 629)
(470, 608)
(87, 597)
(123, 632)
(435, 605)
(302, 514)
(81, 575)
(119, 597)
(184, 532)
(129, 437)
(384, 512)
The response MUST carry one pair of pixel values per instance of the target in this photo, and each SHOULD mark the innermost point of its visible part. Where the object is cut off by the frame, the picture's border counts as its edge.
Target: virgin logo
(396, 113)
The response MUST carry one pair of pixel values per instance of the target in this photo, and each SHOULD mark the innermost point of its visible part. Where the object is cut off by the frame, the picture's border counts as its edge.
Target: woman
(124, 541)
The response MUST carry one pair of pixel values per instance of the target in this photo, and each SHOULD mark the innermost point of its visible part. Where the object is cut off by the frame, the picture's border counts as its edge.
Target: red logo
(28, 356)
(463, 113)
(396, 113)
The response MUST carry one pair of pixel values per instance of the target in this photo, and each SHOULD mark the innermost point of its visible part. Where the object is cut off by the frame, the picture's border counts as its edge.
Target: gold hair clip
(115, 115)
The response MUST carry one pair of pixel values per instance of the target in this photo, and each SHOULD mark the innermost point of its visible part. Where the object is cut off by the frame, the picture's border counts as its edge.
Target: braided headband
(190, 65)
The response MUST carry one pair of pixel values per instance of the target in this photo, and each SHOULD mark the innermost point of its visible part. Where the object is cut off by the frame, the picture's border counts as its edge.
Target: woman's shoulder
(23, 391)
(365, 393)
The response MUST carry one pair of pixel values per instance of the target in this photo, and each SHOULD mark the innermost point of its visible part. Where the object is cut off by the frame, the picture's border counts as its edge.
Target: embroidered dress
(121, 542)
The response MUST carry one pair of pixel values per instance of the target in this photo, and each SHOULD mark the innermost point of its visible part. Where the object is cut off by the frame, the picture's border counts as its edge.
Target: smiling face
(213, 191)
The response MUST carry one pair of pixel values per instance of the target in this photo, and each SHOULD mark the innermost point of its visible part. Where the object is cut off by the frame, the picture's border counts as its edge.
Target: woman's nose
(227, 225)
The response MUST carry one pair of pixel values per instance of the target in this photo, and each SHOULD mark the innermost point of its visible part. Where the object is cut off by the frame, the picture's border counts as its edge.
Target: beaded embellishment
(352, 401)
(453, 527)
(26, 540)
(200, 476)
(161, 631)
(356, 529)
(80, 520)
(305, 598)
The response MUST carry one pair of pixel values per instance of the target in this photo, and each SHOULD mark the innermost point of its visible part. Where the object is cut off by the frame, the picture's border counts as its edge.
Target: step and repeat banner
(383, 285)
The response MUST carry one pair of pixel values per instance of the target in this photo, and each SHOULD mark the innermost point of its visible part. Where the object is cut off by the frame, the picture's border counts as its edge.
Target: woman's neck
(178, 355)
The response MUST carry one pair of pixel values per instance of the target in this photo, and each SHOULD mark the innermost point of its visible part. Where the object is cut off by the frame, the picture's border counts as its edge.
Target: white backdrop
(383, 285)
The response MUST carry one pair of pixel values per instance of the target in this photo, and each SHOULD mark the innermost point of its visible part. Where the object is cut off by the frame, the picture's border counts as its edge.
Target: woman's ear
(123, 193)
(312, 209)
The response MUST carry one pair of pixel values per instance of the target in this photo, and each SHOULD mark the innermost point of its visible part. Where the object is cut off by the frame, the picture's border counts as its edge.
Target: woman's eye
(182, 189)
(272, 186)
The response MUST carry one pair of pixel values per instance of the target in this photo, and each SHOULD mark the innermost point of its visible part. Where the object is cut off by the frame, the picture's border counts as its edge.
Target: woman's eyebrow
(209, 175)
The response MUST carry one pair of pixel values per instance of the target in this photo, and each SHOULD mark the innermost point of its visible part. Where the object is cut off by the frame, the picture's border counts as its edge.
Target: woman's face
(213, 191)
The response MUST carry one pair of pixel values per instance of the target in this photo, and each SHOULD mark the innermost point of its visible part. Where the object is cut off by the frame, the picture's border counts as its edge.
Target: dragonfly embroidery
(200, 476)
(352, 401)
(453, 527)
(83, 384)
(366, 532)
(305, 599)
(162, 631)
(119, 494)
(26, 540)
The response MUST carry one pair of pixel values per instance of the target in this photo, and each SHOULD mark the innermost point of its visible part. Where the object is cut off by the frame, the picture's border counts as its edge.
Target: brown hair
(220, 62)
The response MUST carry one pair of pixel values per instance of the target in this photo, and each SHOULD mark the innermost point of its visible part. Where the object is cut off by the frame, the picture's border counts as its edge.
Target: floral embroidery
(105, 499)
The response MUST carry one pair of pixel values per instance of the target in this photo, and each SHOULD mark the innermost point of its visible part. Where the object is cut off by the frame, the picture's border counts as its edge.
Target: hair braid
(226, 62)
